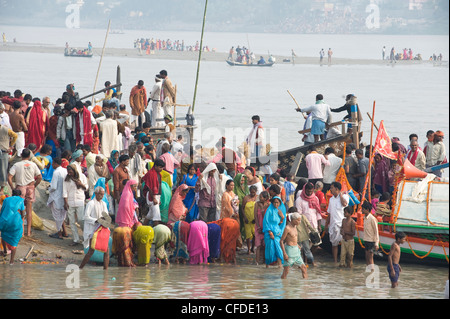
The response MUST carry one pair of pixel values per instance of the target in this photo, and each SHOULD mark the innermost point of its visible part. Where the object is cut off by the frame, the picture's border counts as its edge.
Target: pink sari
(176, 207)
(198, 246)
(126, 214)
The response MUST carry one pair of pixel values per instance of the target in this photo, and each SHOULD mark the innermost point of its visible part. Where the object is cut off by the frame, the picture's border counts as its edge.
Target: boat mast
(101, 58)
(199, 56)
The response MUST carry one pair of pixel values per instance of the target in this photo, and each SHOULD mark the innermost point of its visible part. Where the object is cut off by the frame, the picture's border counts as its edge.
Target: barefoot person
(291, 250)
(11, 227)
(393, 267)
(273, 227)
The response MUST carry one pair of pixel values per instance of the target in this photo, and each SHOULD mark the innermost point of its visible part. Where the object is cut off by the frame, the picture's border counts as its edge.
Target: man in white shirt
(336, 206)
(55, 198)
(330, 172)
(74, 186)
(157, 111)
(27, 177)
(4, 117)
(321, 115)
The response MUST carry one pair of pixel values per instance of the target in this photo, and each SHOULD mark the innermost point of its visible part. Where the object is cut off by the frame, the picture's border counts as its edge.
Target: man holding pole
(321, 115)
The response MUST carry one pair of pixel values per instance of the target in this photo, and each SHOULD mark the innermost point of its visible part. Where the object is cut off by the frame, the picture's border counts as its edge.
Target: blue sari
(214, 235)
(102, 183)
(271, 223)
(190, 198)
(11, 227)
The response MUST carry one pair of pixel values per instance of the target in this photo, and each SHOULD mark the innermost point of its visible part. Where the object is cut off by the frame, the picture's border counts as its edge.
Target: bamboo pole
(199, 56)
(101, 59)
(298, 106)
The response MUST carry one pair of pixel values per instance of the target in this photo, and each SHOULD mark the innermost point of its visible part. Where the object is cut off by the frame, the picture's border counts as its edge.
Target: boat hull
(79, 55)
(232, 63)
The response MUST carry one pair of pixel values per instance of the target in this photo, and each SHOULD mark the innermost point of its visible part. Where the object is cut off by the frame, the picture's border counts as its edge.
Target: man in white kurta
(336, 206)
(109, 131)
(157, 110)
(55, 198)
(92, 212)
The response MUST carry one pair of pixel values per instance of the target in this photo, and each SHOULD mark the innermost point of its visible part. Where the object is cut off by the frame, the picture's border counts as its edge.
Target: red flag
(383, 144)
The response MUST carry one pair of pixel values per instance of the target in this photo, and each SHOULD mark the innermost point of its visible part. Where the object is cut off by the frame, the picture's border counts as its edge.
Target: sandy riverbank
(193, 56)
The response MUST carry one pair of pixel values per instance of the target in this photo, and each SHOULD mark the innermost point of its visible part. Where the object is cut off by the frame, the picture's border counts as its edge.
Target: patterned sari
(122, 246)
(181, 234)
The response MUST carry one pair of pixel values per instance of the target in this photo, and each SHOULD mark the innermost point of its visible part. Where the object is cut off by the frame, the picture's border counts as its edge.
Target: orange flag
(383, 144)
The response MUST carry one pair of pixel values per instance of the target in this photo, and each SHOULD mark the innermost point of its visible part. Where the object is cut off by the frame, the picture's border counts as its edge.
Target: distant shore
(206, 56)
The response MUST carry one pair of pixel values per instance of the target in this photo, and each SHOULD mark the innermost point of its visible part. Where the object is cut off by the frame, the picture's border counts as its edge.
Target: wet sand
(193, 56)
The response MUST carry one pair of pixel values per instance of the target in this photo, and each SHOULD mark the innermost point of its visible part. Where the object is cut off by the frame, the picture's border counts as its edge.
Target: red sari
(38, 126)
(230, 232)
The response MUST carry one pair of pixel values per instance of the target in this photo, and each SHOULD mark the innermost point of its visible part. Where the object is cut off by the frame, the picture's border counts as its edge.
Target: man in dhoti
(168, 94)
(155, 95)
(336, 206)
(138, 102)
(55, 198)
(109, 131)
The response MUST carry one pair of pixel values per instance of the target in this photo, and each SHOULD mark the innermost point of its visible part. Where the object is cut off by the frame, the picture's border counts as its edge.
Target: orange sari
(230, 232)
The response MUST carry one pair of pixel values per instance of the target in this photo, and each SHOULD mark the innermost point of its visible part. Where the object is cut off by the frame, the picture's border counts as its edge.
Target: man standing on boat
(155, 95)
(138, 102)
(436, 154)
(321, 115)
(168, 94)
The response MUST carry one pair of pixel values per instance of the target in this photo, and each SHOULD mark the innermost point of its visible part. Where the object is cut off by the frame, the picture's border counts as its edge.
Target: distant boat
(233, 63)
(79, 54)
(116, 32)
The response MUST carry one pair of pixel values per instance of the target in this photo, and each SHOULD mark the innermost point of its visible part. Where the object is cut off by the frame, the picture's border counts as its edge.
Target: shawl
(205, 173)
(36, 131)
(413, 156)
(198, 246)
(87, 127)
(241, 190)
(151, 180)
(112, 160)
(271, 220)
(162, 235)
(312, 200)
(126, 213)
(253, 136)
(138, 100)
(64, 163)
(102, 183)
(176, 207)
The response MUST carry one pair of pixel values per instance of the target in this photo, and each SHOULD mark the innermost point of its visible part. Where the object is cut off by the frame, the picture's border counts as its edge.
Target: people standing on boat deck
(436, 153)
(362, 169)
(351, 168)
(27, 177)
(350, 100)
(330, 171)
(155, 97)
(138, 102)
(256, 138)
(416, 156)
(336, 205)
(314, 162)
(321, 116)
(168, 94)
(370, 236)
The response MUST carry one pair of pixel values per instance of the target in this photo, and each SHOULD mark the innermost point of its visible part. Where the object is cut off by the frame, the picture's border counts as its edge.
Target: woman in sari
(230, 202)
(249, 218)
(214, 231)
(126, 213)
(11, 224)
(162, 237)
(177, 210)
(113, 161)
(190, 179)
(122, 246)
(180, 237)
(230, 234)
(381, 173)
(273, 226)
(241, 190)
(198, 246)
(143, 239)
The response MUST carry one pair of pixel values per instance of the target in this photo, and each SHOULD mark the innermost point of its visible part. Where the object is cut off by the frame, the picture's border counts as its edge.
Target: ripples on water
(219, 282)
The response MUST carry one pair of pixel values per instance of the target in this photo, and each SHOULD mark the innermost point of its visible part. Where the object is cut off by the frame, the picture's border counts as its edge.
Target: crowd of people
(193, 204)
(169, 45)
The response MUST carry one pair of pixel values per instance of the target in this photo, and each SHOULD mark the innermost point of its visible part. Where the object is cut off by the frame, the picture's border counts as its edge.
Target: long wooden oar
(298, 106)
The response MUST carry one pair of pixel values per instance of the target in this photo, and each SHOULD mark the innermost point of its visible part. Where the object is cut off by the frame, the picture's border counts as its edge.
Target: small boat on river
(233, 63)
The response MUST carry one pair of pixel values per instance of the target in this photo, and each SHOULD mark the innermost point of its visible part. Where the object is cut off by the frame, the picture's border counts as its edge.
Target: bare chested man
(394, 269)
(289, 245)
(18, 125)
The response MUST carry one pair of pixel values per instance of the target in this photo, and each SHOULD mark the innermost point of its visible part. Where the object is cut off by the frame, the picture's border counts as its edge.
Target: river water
(409, 98)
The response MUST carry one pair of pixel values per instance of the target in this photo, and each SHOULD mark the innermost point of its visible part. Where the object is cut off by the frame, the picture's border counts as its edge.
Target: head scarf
(198, 246)
(126, 212)
(162, 235)
(439, 133)
(64, 163)
(241, 190)
(205, 173)
(312, 200)
(112, 160)
(76, 154)
(102, 183)
(176, 207)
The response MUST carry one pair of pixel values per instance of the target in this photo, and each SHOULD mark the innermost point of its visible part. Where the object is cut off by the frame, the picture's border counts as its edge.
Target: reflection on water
(219, 282)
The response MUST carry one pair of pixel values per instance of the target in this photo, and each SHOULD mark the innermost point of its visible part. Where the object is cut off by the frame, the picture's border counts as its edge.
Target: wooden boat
(79, 55)
(233, 63)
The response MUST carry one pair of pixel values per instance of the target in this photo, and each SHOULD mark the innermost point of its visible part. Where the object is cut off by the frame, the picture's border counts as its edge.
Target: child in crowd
(348, 231)
(394, 267)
